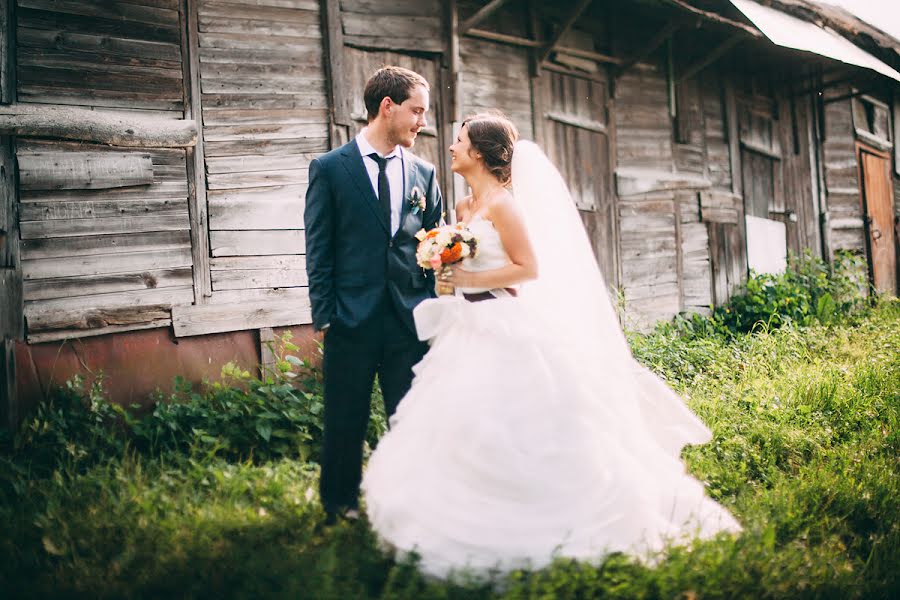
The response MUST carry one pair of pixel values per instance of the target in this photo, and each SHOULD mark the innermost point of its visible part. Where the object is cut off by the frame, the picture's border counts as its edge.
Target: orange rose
(452, 254)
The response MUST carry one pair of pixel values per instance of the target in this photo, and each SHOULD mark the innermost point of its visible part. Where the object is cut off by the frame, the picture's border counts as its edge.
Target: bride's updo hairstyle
(493, 135)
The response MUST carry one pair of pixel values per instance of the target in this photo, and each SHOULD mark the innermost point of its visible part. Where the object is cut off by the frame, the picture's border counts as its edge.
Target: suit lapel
(353, 163)
(409, 182)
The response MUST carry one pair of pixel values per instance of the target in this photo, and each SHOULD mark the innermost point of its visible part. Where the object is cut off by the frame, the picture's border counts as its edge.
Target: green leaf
(264, 430)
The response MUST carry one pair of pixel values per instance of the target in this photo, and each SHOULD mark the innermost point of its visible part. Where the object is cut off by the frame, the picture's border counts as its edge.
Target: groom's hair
(395, 83)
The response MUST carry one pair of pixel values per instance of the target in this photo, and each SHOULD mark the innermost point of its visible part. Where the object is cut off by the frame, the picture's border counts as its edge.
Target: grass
(805, 453)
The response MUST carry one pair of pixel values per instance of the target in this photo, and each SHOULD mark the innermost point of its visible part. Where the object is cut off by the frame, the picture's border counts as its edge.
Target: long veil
(570, 290)
(571, 300)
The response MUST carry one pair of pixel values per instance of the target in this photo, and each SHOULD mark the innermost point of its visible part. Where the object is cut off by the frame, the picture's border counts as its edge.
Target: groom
(365, 202)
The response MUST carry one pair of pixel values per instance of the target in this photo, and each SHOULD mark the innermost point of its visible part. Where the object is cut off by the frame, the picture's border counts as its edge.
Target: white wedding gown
(530, 431)
(510, 450)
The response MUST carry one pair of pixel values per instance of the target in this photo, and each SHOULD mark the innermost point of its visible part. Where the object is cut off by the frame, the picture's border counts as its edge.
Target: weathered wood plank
(261, 296)
(308, 13)
(107, 9)
(104, 264)
(96, 44)
(93, 126)
(268, 147)
(312, 97)
(256, 179)
(103, 244)
(408, 8)
(172, 190)
(307, 27)
(243, 164)
(68, 334)
(285, 262)
(44, 211)
(64, 287)
(216, 318)
(267, 278)
(248, 41)
(96, 98)
(85, 170)
(51, 57)
(256, 243)
(424, 31)
(102, 226)
(92, 25)
(275, 208)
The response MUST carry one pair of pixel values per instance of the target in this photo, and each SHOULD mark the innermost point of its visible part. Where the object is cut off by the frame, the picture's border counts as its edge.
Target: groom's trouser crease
(382, 345)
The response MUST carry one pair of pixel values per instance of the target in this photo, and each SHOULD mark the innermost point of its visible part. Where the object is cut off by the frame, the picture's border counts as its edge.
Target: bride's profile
(530, 431)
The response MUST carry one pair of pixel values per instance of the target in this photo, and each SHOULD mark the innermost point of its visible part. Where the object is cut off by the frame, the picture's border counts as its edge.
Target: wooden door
(576, 132)
(359, 66)
(878, 207)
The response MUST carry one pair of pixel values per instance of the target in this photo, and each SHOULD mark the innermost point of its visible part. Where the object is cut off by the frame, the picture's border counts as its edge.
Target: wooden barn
(154, 155)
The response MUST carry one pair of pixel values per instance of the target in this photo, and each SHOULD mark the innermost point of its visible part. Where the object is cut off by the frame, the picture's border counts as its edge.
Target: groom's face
(406, 119)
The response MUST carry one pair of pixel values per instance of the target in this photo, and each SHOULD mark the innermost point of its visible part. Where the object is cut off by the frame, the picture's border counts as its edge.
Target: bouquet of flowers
(445, 246)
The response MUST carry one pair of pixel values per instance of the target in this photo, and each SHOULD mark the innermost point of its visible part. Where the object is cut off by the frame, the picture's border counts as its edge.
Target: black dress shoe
(345, 514)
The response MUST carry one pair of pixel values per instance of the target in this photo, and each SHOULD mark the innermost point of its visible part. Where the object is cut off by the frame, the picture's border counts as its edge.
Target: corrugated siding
(97, 260)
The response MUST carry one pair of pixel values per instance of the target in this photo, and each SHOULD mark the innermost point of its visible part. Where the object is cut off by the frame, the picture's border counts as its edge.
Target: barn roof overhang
(789, 31)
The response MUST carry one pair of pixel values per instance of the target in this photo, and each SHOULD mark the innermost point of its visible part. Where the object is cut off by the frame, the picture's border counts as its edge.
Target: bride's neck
(483, 184)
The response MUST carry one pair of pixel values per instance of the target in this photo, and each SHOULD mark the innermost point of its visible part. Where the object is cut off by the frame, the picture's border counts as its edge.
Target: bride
(529, 431)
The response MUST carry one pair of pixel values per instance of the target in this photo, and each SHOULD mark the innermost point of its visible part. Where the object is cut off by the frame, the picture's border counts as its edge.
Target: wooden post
(12, 325)
(341, 119)
(194, 159)
(266, 350)
(537, 82)
(454, 116)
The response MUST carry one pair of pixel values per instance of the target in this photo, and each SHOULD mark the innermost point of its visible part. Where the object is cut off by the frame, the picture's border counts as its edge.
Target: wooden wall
(105, 234)
(113, 239)
(264, 106)
(648, 222)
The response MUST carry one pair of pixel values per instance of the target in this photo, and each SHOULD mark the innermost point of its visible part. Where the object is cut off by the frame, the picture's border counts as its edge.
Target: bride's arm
(523, 264)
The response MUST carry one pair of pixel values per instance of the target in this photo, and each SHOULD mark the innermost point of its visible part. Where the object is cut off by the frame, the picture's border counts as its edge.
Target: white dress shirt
(394, 171)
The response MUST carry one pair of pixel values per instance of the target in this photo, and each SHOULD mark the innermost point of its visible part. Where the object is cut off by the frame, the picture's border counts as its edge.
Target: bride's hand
(456, 276)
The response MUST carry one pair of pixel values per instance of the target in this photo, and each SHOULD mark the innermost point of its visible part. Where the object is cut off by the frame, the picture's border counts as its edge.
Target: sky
(883, 14)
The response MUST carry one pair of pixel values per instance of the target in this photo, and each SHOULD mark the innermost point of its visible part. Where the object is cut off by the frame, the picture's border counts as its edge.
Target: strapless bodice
(490, 253)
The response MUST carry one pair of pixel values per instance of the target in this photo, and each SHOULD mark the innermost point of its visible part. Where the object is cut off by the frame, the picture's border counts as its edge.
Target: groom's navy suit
(363, 285)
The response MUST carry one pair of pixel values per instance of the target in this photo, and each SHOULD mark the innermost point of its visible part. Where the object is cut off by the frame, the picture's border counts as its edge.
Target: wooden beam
(198, 211)
(512, 40)
(483, 13)
(647, 49)
(334, 45)
(267, 357)
(80, 124)
(715, 18)
(604, 58)
(711, 57)
(564, 28)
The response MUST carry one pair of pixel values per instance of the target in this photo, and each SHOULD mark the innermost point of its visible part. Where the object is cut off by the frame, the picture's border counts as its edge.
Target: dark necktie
(384, 187)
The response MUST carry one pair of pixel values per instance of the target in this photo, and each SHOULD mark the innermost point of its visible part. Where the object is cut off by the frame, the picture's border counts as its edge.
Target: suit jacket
(351, 257)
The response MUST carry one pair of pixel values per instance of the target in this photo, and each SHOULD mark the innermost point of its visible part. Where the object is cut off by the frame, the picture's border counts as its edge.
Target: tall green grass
(805, 453)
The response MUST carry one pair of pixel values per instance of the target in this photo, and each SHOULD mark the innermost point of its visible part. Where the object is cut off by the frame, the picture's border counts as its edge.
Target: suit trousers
(381, 345)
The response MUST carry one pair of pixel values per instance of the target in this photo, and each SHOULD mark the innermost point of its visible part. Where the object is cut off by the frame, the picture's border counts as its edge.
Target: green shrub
(809, 291)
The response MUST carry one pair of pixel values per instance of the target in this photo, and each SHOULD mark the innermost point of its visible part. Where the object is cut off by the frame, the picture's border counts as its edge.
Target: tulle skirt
(510, 450)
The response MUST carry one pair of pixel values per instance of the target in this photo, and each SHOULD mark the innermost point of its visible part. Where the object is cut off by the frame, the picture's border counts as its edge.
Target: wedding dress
(529, 431)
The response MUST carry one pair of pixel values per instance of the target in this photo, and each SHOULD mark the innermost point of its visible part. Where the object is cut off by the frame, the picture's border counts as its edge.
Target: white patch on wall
(766, 245)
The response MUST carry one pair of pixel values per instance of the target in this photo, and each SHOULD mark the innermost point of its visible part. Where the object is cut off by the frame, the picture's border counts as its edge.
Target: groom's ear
(386, 104)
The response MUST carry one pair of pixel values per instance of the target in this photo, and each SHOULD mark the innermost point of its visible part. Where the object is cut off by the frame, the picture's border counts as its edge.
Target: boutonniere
(416, 200)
